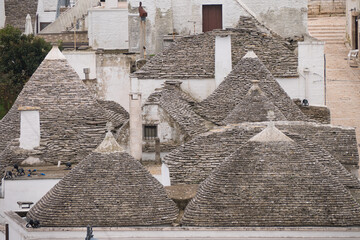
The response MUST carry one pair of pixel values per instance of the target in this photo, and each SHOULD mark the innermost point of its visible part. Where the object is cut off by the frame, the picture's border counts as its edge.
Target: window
(150, 132)
(212, 17)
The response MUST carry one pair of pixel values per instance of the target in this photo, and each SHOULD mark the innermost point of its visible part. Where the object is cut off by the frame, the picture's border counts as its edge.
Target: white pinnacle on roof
(28, 26)
(54, 54)
(109, 144)
(271, 134)
(250, 54)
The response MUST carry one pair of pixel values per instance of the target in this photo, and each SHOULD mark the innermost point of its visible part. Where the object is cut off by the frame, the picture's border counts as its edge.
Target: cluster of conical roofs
(266, 164)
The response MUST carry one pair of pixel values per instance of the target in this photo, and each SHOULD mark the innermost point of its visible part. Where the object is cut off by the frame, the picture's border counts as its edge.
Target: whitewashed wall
(113, 77)
(46, 11)
(50, 5)
(18, 232)
(80, 60)
(223, 58)
(108, 28)
(2, 13)
(30, 129)
(167, 129)
(292, 86)
(25, 191)
(197, 88)
(311, 58)
(286, 17)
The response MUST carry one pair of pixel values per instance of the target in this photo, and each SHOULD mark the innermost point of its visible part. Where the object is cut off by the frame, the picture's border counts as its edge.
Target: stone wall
(320, 114)
(16, 11)
(320, 7)
(65, 37)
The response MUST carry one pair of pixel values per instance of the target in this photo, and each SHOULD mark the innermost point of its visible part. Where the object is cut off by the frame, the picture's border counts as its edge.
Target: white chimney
(223, 60)
(111, 3)
(29, 127)
(135, 126)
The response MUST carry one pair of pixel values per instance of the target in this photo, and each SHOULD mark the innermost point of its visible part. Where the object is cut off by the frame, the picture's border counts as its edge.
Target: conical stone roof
(108, 188)
(237, 84)
(72, 121)
(272, 183)
(193, 162)
(254, 107)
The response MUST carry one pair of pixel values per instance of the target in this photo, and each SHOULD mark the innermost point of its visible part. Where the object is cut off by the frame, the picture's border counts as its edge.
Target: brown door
(212, 17)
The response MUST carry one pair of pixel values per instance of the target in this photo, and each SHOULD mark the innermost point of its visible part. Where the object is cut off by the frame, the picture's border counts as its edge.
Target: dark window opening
(212, 17)
(150, 132)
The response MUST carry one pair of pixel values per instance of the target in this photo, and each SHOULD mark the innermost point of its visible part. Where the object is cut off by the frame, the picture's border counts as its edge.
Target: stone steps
(329, 33)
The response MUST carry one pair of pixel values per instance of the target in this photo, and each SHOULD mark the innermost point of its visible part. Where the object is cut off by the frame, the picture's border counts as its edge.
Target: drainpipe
(306, 73)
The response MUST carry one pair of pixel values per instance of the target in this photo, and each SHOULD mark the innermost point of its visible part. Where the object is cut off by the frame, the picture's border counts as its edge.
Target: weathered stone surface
(16, 11)
(192, 162)
(193, 57)
(105, 190)
(271, 184)
(254, 107)
(317, 113)
(72, 122)
(115, 113)
(236, 85)
(179, 106)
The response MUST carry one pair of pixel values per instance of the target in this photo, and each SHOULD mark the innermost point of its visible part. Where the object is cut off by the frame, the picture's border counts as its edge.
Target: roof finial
(109, 144)
(271, 133)
(109, 126)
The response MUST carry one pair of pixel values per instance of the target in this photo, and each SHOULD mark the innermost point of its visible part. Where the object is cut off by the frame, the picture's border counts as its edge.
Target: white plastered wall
(29, 129)
(80, 60)
(223, 60)
(310, 84)
(311, 68)
(113, 77)
(167, 132)
(108, 28)
(46, 11)
(24, 191)
(286, 17)
(197, 88)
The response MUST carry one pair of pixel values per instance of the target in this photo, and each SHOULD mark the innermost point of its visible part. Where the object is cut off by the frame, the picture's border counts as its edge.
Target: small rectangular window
(150, 132)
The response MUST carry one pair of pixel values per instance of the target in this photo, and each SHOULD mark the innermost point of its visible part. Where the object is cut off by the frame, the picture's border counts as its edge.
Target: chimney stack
(29, 127)
(111, 3)
(87, 73)
(135, 126)
(223, 59)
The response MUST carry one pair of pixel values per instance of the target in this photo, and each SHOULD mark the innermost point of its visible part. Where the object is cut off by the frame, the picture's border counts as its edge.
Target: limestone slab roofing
(109, 188)
(193, 57)
(236, 85)
(72, 122)
(272, 181)
(254, 107)
(16, 11)
(192, 162)
(179, 106)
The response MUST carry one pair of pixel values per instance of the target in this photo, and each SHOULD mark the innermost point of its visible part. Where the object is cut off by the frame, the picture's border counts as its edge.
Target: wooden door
(212, 17)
